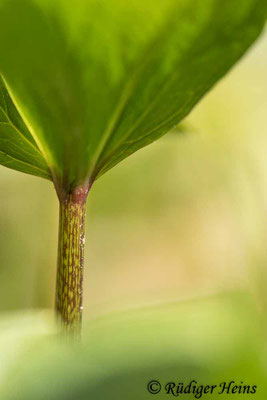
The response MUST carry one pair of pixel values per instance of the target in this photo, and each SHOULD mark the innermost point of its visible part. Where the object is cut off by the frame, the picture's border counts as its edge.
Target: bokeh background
(182, 220)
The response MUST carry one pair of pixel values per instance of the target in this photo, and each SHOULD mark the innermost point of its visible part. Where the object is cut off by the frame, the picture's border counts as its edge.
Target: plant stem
(69, 288)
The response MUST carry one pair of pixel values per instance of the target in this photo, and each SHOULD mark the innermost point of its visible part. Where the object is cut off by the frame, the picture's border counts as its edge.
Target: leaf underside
(93, 81)
(17, 147)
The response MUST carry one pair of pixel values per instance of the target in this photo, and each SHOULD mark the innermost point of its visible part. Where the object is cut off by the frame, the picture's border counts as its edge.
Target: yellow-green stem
(69, 288)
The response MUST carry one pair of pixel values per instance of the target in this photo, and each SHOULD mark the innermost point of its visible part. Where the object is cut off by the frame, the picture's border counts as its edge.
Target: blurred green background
(182, 221)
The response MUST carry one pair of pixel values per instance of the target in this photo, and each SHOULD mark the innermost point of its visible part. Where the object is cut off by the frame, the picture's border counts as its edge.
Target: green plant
(87, 83)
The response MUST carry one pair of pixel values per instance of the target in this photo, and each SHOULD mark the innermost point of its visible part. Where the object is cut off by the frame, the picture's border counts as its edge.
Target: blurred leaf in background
(210, 340)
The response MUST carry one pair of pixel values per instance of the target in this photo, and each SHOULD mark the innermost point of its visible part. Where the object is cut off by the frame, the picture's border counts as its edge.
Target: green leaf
(17, 147)
(209, 340)
(94, 81)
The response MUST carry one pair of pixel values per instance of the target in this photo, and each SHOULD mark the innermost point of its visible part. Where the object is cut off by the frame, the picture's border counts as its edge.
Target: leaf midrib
(127, 91)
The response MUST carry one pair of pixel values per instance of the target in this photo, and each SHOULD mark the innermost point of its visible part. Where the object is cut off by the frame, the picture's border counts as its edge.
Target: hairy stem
(69, 288)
